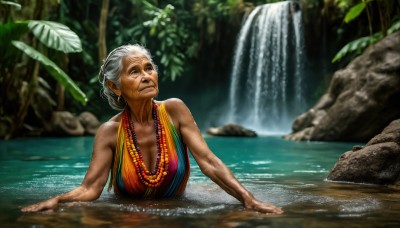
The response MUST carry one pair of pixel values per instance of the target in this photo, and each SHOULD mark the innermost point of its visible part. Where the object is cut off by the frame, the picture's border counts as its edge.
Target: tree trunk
(26, 98)
(60, 90)
(102, 31)
(25, 102)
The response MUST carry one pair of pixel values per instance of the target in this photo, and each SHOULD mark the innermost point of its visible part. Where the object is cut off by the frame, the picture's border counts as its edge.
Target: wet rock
(361, 99)
(65, 123)
(231, 130)
(376, 163)
(89, 122)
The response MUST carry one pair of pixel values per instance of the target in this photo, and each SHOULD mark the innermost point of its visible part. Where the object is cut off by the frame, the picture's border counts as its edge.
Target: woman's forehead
(135, 59)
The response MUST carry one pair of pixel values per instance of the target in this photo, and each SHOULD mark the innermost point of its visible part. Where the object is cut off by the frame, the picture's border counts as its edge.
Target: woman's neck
(141, 112)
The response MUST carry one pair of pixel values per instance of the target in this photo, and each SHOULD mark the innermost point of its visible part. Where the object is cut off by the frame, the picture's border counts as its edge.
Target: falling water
(266, 90)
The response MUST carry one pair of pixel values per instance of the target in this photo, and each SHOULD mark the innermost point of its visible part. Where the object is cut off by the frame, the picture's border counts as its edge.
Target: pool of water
(288, 174)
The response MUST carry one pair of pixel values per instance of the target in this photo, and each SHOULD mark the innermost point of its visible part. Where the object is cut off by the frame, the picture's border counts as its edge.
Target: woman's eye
(149, 68)
(134, 71)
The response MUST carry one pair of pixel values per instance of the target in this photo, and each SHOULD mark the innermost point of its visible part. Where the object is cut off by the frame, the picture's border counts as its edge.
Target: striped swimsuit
(124, 177)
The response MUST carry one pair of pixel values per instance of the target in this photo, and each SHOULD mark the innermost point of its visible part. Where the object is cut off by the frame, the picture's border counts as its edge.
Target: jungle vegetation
(51, 50)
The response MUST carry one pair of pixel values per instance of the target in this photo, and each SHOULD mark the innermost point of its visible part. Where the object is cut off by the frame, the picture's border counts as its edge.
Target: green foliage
(359, 45)
(13, 4)
(85, 65)
(343, 3)
(165, 29)
(53, 69)
(355, 11)
(55, 35)
(21, 85)
(395, 27)
(385, 9)
(51, 34)
(175, 31)
(9, 55)
(6, 10)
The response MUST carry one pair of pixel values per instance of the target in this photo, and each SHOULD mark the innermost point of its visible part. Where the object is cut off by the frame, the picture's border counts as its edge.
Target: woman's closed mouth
(146, 87)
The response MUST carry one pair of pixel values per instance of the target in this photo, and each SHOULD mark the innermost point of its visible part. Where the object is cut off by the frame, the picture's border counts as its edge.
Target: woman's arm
(96, 175)
(210, 164)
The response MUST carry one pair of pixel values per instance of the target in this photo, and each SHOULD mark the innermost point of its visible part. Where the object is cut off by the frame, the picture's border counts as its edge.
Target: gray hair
(111, 70)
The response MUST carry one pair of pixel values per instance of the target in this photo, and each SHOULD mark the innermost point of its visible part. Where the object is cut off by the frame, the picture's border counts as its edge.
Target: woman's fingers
(31, 208)
(45, 205)
(275, 210)
(260, 206)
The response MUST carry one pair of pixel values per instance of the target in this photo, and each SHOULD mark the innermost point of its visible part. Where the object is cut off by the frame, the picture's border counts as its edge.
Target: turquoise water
(285, 173)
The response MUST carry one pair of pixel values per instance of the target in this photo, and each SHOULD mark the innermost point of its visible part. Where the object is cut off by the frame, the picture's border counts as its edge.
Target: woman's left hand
(210, 164)
(260, 206)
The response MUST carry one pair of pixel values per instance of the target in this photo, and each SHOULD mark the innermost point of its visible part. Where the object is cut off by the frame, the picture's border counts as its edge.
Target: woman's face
(138, 78)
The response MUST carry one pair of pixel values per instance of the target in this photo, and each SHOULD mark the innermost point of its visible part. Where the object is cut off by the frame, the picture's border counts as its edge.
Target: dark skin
(138, 86)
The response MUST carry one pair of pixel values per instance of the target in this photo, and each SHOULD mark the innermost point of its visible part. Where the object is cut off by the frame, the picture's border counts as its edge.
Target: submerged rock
(361, 99)
(231, 130)
(378, 162)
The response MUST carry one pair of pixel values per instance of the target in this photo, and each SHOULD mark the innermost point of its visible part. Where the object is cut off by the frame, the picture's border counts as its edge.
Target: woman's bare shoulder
(106, 135)
(178, 111)
(174, 105)
(110, 126)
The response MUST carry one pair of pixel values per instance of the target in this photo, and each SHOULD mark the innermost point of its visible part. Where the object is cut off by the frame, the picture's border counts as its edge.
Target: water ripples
(173, 211)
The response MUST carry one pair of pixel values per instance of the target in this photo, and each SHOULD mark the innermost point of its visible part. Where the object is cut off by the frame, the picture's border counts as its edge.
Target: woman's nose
(145, 76)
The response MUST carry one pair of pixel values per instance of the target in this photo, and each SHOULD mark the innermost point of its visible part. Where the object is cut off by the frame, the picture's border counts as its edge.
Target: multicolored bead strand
(154, 178)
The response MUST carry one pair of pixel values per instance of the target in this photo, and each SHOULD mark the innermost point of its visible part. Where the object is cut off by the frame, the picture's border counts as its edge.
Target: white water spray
(266, 90)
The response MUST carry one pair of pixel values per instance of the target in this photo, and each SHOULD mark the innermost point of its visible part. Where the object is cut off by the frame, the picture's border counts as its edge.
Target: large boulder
(64, 123)
(231, 129)
(378, 162)
(361, 99)
(89, 122)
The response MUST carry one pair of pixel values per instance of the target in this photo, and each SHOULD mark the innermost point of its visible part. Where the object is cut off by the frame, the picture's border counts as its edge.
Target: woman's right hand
(42, 206)
(97, 175)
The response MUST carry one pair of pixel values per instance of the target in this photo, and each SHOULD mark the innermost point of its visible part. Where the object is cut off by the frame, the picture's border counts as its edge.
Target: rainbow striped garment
(124, 179)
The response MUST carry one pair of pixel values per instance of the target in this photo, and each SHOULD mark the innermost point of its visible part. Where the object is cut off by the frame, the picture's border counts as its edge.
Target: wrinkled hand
(260, 206)
(41, 206)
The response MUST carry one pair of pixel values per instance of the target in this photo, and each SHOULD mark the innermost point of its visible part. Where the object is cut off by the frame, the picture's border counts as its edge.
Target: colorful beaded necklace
(154, 178)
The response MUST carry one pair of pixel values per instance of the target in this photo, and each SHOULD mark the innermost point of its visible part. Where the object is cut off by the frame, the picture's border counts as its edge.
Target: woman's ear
(114, 88)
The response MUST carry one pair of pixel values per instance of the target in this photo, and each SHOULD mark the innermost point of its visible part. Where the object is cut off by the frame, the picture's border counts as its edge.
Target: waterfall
(267, 84)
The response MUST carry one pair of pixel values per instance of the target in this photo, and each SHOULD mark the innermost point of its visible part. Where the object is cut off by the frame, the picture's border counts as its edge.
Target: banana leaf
(55, 35)
(54, 70)
(13, 4)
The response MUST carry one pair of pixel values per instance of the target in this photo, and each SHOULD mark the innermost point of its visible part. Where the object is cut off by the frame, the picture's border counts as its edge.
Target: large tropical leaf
(13, 4)
(54, 70)
(355, 11)
(55, 35)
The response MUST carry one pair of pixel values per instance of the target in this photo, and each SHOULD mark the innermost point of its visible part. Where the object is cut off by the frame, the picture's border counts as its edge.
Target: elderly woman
(146, 145)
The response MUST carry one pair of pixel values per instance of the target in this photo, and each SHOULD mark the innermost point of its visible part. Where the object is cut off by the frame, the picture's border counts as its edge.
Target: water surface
(285, 173)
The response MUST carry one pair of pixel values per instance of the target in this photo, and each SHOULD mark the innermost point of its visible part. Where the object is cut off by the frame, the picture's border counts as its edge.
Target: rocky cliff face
(361, 100)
